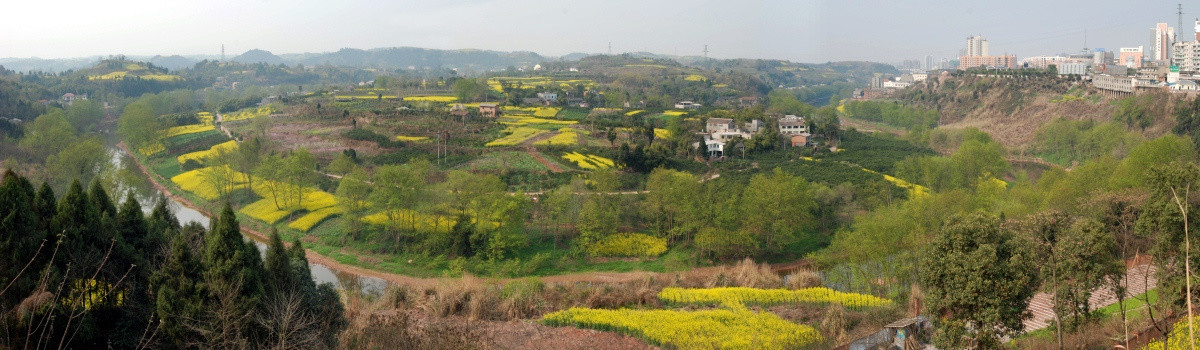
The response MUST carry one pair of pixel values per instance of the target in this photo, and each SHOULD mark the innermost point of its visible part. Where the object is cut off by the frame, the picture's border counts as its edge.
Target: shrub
(190, 164)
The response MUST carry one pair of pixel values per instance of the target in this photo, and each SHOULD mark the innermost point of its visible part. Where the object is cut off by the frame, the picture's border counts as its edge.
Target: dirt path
(220, 119)
(554, 168)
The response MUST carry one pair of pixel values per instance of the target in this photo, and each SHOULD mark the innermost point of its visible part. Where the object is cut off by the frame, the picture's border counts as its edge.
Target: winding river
(130, 179)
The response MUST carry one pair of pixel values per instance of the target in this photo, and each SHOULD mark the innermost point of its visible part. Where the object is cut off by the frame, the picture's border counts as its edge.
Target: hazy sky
(798, 30)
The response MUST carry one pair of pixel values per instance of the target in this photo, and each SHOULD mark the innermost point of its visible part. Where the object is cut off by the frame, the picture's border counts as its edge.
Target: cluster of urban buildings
(1171, 63)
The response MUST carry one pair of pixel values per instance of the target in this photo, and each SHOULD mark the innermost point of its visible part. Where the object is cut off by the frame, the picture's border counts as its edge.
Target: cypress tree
(100, 199)
(300, 262)
(45, 206)
(179, 301)
(20, 237)
(132, 226)
(278, 266)
(232, 268)
(79, 226)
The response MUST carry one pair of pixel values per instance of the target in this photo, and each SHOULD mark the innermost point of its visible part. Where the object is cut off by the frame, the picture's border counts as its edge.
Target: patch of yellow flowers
(248, 113)
(769, 297)
(515, 136)
(629, 245)
(202, 156)
(306, 222)
(1179, 334)
(735, 328)
(412, 138)
(565, 137)
(87, 293)
(589, 161)
(188, 129)
(442, 99)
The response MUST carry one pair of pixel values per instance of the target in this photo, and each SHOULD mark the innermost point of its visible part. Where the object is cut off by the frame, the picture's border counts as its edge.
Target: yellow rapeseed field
(152, 149)
(629, 245)
(200, 182)
(589, 161)
(306, 222)
(265, 210)
(202, 156)
(736, 328)
(412, 138)
(662, 133)
(523, 120)
(565, 137)
(248, 113)
(188, 129)
(442, 99)
(769, 297)
(516, 135)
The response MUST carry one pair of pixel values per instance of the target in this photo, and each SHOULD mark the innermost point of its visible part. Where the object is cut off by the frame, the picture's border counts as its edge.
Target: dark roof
(905, 322)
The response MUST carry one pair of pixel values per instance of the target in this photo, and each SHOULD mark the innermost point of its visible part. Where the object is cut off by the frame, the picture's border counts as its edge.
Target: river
(130, 179)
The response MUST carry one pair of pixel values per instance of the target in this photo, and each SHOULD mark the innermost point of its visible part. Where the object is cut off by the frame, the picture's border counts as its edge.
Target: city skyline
(804, 31)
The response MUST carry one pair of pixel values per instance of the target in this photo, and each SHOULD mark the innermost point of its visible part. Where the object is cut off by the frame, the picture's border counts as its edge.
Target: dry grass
(803, 279)
(474, 313)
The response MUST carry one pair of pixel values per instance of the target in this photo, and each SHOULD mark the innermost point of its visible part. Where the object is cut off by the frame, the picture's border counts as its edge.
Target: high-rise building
(928, 62)
(977, 46)
(1186, 56)
(1164, 36)
(1197, 29)
(1131, 57)
(976, 55)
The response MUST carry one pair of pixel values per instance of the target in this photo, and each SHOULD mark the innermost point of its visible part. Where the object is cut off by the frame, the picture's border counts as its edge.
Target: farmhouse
(792, 125)
(489, 109)
(801, 140)
(715, 125)
(687, 105)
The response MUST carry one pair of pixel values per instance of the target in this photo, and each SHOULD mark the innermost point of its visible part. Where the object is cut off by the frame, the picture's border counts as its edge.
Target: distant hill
(405, 57)
(470, 61)
(48, 65)
(258, 56)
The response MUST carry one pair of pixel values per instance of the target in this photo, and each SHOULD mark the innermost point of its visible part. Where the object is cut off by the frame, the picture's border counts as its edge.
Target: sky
(796, 30)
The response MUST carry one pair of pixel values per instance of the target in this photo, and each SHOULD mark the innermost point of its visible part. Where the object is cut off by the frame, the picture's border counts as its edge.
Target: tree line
(83, 272)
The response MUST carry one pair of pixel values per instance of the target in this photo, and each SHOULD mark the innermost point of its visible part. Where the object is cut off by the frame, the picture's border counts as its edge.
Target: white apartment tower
(1164, 36)
(1186, 54)
(977, 46)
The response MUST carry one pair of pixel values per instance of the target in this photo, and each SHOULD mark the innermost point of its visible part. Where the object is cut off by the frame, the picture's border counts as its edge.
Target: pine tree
(45, 206)
(79, 226)
(21, 238)
(100, 199)
(278, 264)
(233, 277)
(180, 295)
